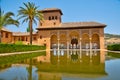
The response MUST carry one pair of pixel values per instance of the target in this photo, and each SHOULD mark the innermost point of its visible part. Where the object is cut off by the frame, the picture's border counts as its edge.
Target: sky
(102, 11)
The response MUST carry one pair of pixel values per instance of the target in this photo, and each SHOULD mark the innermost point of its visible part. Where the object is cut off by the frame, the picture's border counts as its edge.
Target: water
(63, 65)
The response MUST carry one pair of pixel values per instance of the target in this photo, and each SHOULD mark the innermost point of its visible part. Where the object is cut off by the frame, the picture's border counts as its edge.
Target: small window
(26, 38)
(6, 35)
(56, 17)
(54, 23)
(52, 17)
(49, 18)
(40, 37)
(14, 38)
(34, 38)
(19, 38)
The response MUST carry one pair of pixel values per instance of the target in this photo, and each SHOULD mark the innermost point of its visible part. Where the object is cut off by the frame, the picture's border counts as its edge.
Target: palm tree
(6, 19)
(31, 14)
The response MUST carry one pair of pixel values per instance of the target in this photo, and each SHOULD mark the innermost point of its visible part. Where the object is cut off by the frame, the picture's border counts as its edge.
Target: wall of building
(6, 37)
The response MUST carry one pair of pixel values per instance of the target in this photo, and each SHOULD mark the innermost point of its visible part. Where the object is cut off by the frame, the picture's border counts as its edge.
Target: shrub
(7, 48)
(114, 47)
(19, 43)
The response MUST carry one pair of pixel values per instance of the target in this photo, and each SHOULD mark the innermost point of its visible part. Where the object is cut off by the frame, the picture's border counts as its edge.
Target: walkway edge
(26, 52)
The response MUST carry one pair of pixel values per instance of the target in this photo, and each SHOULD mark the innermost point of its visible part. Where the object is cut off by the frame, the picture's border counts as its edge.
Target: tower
(52, 17)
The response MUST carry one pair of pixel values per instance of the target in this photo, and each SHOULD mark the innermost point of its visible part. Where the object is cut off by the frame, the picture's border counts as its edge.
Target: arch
(74, 34)
(63, 41)
(53, 41)
(74, 37)
(95, 41)
(85, 41)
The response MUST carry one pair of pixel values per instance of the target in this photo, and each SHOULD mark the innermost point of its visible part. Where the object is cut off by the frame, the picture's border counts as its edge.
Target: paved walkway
(113, 51)
(27, 52)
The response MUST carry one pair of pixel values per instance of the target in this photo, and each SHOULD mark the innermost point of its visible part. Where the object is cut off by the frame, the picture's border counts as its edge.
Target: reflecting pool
(62, 65)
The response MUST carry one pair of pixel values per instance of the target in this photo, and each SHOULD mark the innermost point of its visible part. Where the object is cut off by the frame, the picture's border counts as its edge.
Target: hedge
(114, 47)
(8, 48)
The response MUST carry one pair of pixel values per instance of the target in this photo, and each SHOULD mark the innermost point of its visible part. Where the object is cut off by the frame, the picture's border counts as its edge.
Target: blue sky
(103, 11)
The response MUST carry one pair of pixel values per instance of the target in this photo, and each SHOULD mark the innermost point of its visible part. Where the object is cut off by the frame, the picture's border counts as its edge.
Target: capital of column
(58, 39)
(80, 38)
(90, 38)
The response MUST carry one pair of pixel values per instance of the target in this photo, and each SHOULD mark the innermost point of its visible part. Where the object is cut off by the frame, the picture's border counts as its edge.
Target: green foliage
(114, 47)
(6, 19)
(8, 48)
(19, 43)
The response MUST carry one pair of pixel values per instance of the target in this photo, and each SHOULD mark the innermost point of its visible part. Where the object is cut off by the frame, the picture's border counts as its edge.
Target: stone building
(6, 36)
(53, 33)
(81, 35)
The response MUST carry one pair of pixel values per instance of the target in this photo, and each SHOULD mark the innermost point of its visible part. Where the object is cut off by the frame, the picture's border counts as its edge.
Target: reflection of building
(73, 63)
(55, 34)
(48, 76)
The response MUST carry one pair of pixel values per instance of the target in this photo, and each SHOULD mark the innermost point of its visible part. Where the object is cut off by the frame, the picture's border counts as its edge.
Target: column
(68, 44)
(58, 38)
(80, 48)
(90, 39)
(67, 48)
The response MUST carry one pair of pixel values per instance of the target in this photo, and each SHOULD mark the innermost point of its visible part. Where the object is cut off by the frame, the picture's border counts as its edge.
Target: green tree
(6, 19)
(30, 14)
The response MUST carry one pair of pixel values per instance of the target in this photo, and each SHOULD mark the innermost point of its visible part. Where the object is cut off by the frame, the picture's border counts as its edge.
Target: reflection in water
(72, 62)
(57, 63)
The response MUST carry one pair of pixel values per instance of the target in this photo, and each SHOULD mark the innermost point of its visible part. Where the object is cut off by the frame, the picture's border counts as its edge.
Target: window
(1, 34)
(54, 23)
(26, 38)
(34, 38)
(52, 17)
(40, 37)
(6, 35)
(49, 18)
(56, 17)
(19, 39)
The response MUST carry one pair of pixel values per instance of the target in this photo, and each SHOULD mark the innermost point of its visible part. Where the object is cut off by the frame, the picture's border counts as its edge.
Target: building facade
(54, 34)
(79, 35)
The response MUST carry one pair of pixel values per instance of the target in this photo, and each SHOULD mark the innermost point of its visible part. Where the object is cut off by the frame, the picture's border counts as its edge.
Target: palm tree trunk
(30, 25)
(0, 36)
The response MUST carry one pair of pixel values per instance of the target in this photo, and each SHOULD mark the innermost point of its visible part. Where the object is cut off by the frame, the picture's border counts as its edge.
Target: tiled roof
(4, 29)
(51, 9)
(22, 33)
(81, 24)
(47, 9)
(74, 25)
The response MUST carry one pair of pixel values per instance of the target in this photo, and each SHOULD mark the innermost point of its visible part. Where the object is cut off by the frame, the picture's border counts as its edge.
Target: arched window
(56, 17)
(49, 18)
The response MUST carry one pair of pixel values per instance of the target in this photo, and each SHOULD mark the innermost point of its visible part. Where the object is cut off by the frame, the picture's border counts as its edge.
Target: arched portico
(63, 41)
(54, 41)
(95, 41)
(85, 41)
(74, 39)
